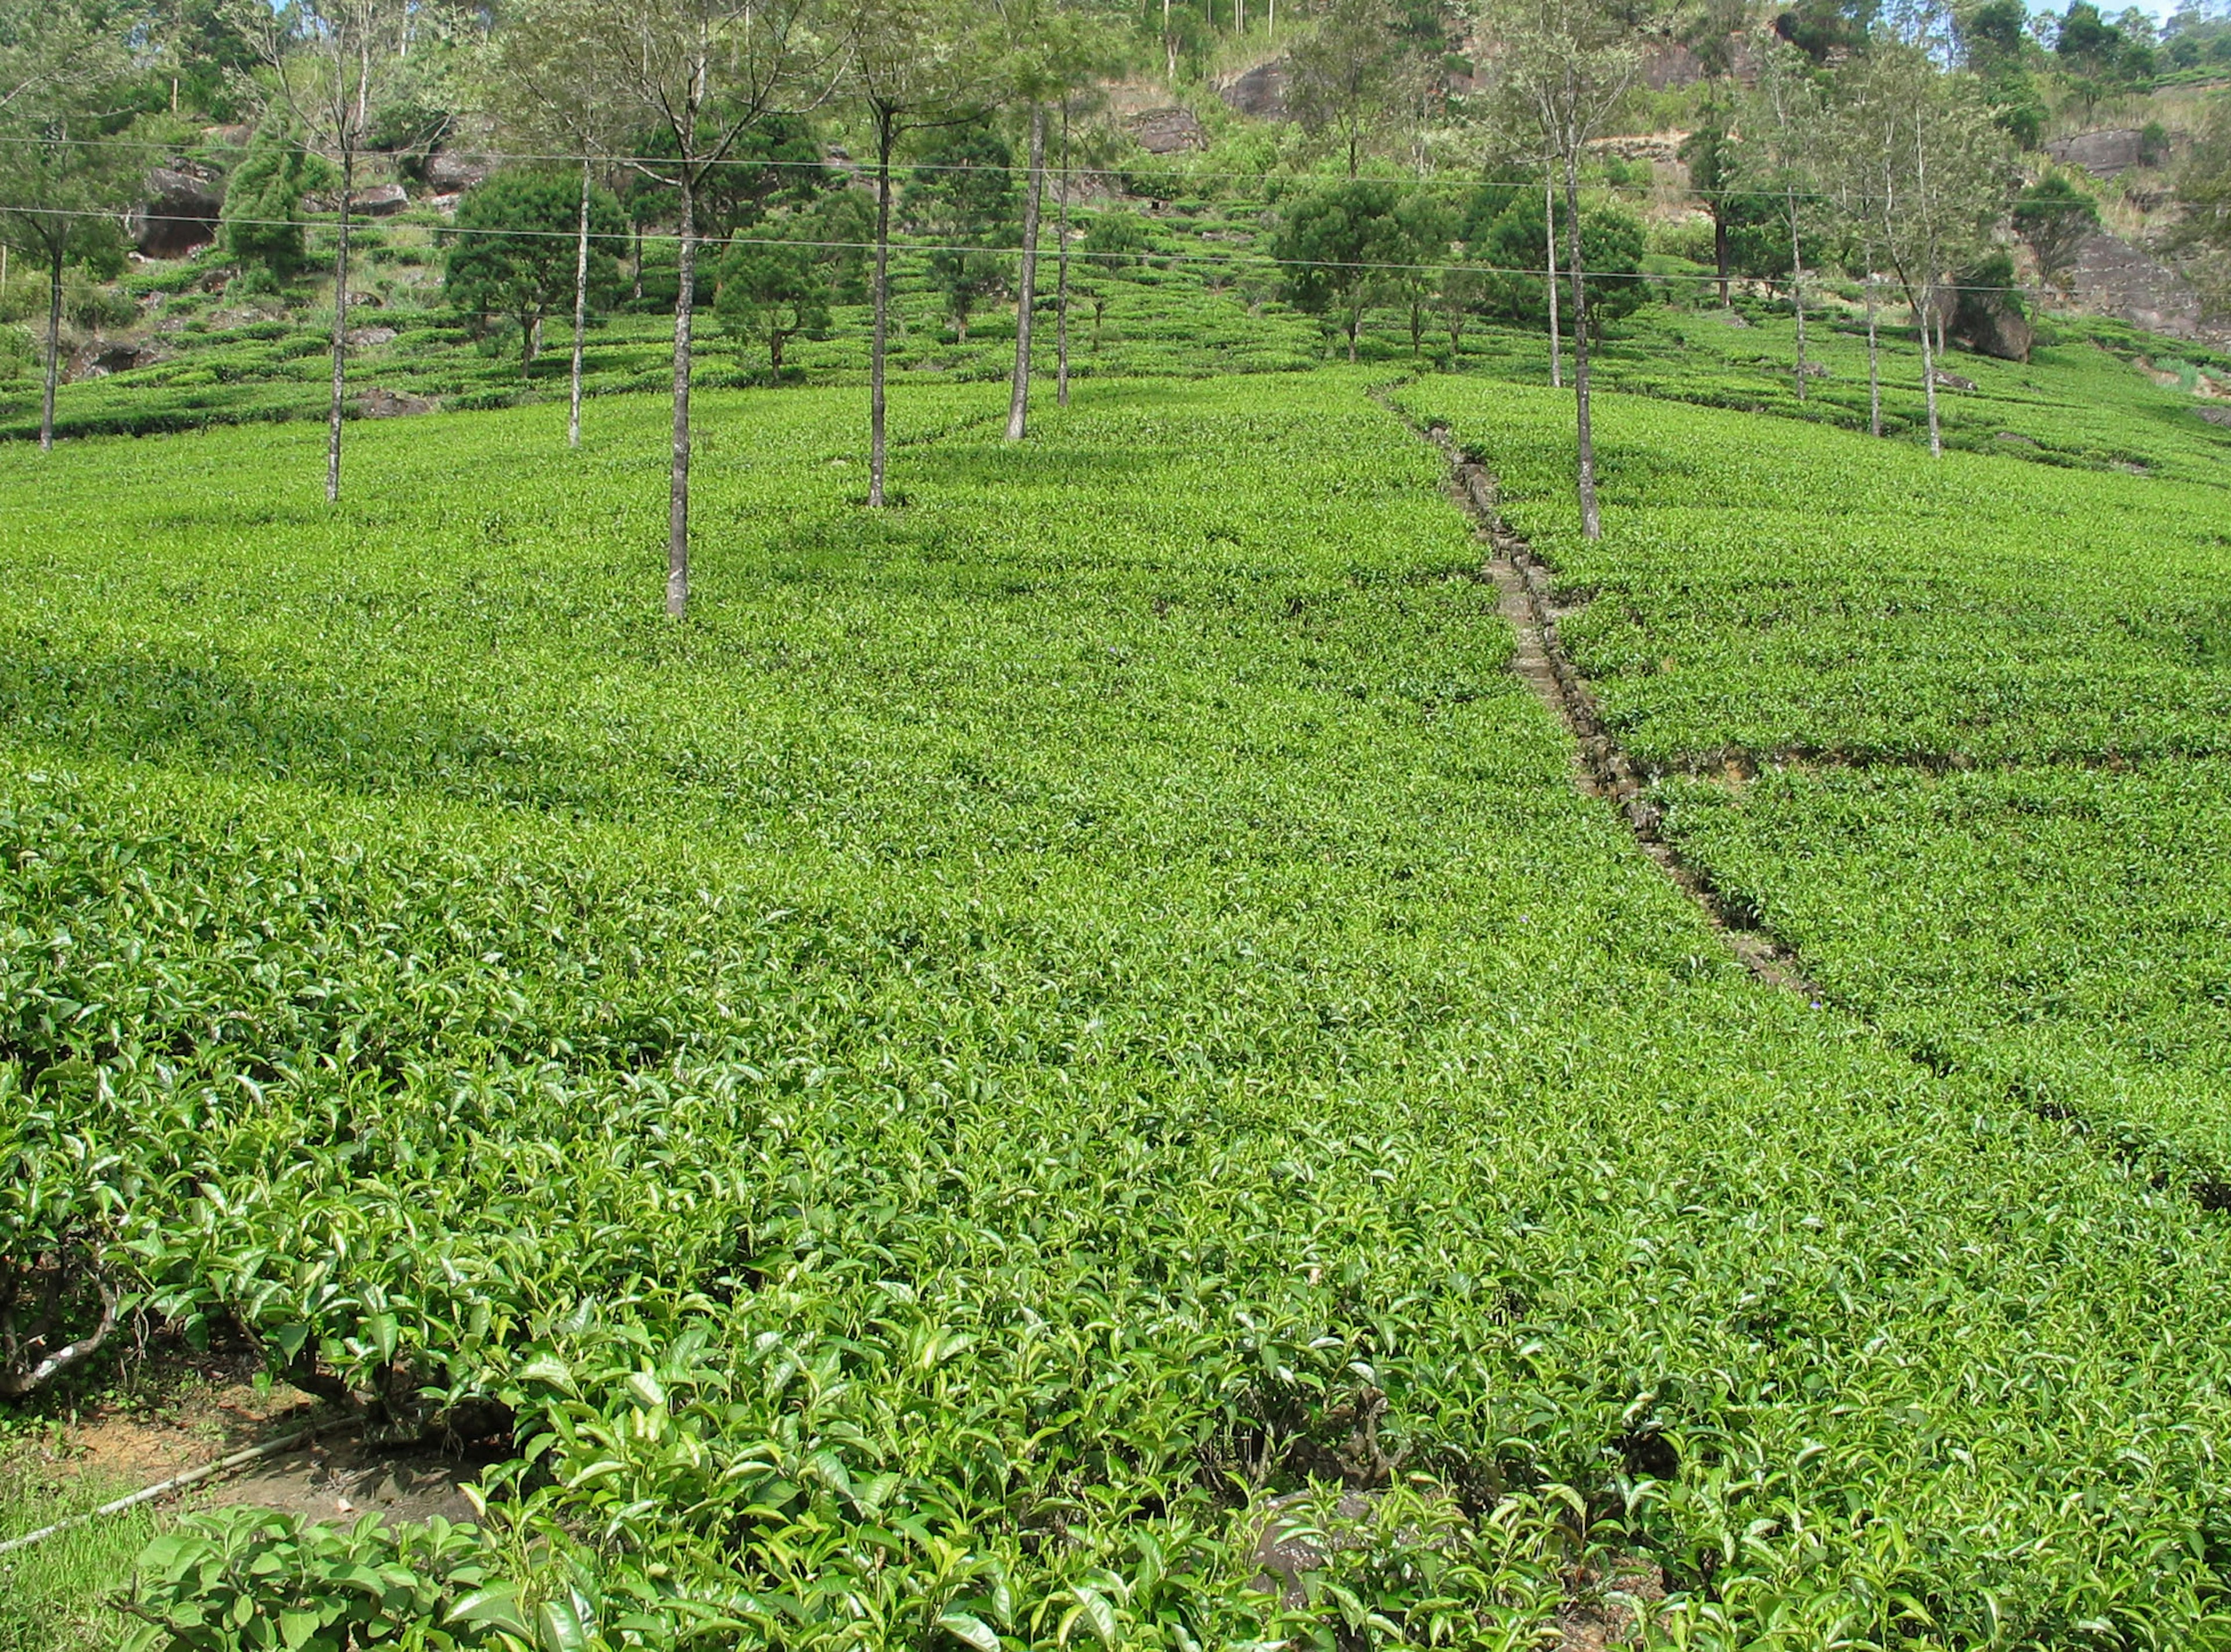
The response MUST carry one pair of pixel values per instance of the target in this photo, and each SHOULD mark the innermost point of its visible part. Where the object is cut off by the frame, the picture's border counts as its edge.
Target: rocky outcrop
(1167, 132)
(1990, 324)
(382, 200)
(453, 171)
(1260, 92)
(378, 404)
(179, 212)
(2111, 277)
(1658, 148)
(2104, 154)
(111, 357)
(370, 338)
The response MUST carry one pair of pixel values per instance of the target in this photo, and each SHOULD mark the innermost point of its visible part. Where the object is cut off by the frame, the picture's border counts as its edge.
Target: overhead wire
(1120, 259)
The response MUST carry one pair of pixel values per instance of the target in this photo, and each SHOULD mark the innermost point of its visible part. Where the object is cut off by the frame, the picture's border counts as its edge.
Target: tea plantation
(1054, 1040)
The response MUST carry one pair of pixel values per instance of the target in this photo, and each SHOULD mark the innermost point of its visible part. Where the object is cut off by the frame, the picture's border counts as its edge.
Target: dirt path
(1603, 768)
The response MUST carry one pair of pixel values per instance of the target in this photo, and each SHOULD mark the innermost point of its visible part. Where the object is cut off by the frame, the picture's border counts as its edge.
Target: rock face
(2103, 154)
(106, 358)
(1167, 132)
(179, 212)
(2214, 414)
(1261, 92)
(378, 404)
(451, 172)
(382, 200)
(370, 338)
(1990, 326)
(2114, 278)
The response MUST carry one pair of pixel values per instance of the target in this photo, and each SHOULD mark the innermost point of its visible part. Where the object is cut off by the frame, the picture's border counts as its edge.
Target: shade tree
(514, 252)
(64, 180)
(327, 67)
(700, 76)
(911, 66)
(1560, 70)
(1334, 244)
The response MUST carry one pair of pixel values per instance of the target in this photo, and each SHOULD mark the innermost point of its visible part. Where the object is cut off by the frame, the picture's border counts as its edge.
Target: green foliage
(1611, 247)
(255, 1580)
(961, 199)
(1332, 242)
(774, 290)
(517, 250)
(2053, 215)
(263, 212)
(1090, 1004)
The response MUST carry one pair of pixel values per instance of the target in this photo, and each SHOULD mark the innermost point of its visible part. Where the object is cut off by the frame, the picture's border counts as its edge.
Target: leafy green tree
(62, 84)
(1611, 252)
(327, 65)
(1114, 242)
(911, 66)
(1422, 243)
(1464, 292)
(962, 198)
(1332, 244)
(262, 214)
(547, 91)
(2101, 58)
(514, 254)
(781, 284)
(1784, 129)
(1824, 29)
(2053, 217)
(1341, 78)
(1562, 69)
(1923, 172)
(770, 293)
(704, 76)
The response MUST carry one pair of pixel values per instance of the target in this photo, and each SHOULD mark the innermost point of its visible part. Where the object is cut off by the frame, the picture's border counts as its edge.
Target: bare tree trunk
(1018, 398)
(1169, 46)
(1929, 387)
(341, 329)
(1549, 238)
(528, 327)
(1061, 273)
(1797, 289)
(876, 346)
(685, 303)
(1591, 519)
(580, 308)
(1720, 257)
(1874, 362)
(54, 352)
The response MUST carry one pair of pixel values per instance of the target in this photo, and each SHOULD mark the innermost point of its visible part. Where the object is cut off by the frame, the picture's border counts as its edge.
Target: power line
(899, 169)
(1117, 259)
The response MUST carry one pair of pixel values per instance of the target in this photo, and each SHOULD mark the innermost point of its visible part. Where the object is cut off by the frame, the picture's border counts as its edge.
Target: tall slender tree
(1342, 78)
(703, 73)
(1051, 53)
(328, 65)
(62, 83)
(1782, 139)
(1561, 68)
(912, 64)
(547, 88)
(1943, 179)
